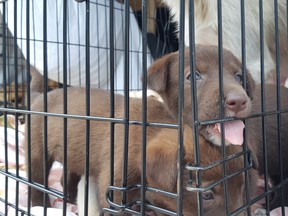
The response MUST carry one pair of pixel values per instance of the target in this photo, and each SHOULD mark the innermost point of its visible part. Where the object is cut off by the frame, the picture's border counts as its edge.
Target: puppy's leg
(103, 184)
(36, 150)
(277, 198)
(93, 207)
(37, 175)
(72, 182)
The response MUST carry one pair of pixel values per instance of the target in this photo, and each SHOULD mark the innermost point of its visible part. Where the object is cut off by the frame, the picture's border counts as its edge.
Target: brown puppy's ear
(250, 85)
(162, 162)
(158, 73)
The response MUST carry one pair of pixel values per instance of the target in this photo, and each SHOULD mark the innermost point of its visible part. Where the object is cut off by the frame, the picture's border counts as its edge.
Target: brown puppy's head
(163, 78)
(162, 174)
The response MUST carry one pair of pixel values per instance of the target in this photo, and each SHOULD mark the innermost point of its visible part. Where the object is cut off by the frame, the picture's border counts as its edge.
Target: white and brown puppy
(162, 144)
(206, 31)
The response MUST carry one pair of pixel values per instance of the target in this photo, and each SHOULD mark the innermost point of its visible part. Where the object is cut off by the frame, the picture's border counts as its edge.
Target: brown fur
(206, 28)
(161, 151)
(152, 6)
(161, 143)
(163, 78)
(273, 147)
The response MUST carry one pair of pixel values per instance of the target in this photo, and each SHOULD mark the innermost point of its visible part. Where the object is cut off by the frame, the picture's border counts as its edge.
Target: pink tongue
(233, 131)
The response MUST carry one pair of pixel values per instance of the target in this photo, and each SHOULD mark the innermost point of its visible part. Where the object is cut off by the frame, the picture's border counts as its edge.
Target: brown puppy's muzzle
(236, 102)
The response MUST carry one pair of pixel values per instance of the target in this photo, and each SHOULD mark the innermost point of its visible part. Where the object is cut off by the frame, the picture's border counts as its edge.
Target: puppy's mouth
(233, 133)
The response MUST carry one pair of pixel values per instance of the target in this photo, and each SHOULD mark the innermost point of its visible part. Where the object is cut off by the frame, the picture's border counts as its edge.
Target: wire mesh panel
(143, 107)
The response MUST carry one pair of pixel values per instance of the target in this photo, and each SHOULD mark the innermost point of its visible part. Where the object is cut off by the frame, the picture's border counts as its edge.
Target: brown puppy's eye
(197, 76)
(208, 195)
(239, 78)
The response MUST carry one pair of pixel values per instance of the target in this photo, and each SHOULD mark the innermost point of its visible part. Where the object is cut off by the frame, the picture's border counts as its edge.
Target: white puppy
(206, 31)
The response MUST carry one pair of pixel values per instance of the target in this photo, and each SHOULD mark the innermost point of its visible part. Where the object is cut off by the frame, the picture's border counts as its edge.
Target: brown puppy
(163, 78)
(276, 138)
(161, 153)
(161, 144)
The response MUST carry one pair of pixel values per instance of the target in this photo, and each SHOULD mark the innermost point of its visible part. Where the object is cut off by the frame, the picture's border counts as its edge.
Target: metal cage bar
(91, 48)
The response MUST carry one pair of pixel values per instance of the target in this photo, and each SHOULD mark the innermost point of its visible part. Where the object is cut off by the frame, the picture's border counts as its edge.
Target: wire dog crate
(73, 48)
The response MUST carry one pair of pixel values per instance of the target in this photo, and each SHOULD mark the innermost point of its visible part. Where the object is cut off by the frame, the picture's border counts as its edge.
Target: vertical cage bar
(286, 9)
(180, 109)
(87, 146)
(194, 110)
(277, 47)
(278, 107)
(28, 116)
(244, 73)
(144, 105)
(79, 47)
(98, 52)
(126, 97)
(15, 47)
(221, 97)
(68, 47)
(107, 28)
(21, 57)
(112, 95)
(263, 99)
(45, 132)
(58, 38)
(65, 108)
(5, 104)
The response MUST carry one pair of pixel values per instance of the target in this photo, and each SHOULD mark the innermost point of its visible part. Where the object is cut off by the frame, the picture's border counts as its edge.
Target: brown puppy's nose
(236, 102)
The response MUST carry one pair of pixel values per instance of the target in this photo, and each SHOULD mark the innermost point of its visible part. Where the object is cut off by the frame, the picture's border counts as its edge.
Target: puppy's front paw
(260, 212)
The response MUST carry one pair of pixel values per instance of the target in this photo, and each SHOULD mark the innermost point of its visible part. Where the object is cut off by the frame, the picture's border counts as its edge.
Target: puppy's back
(255, 128)
(99, 132)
